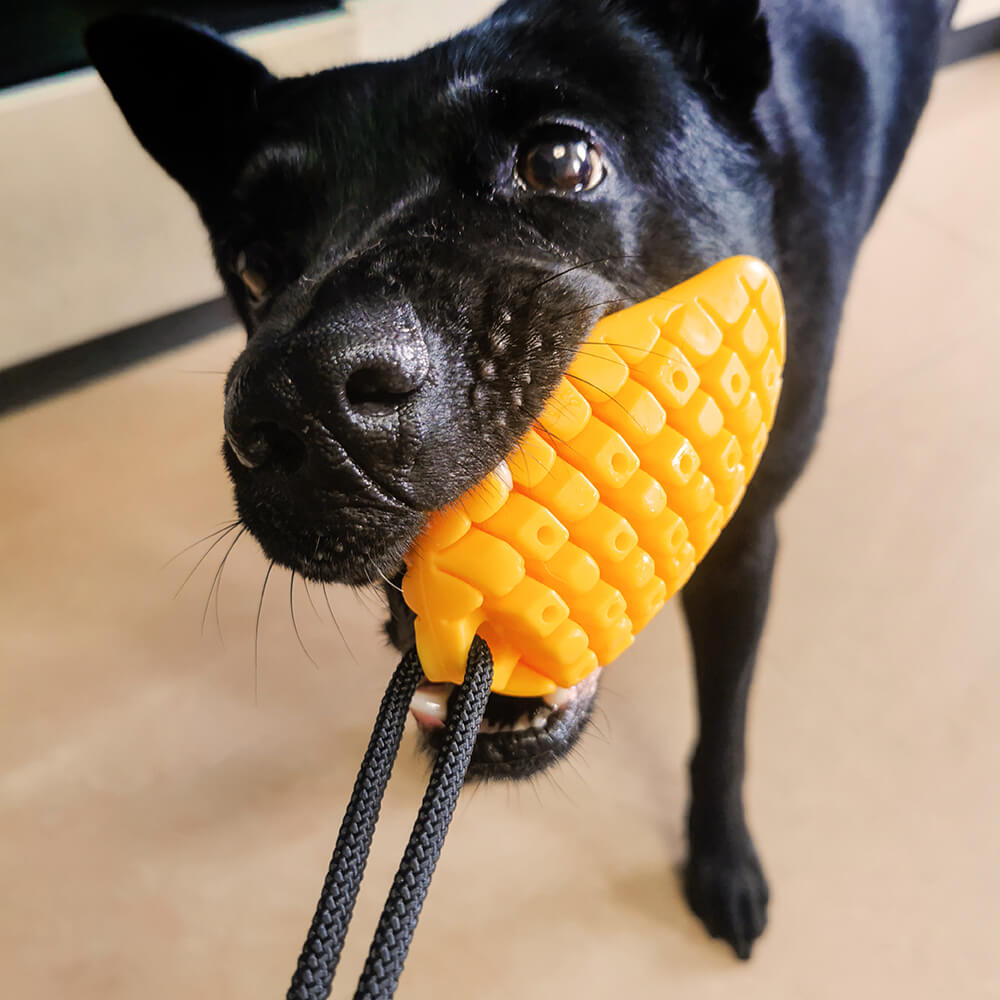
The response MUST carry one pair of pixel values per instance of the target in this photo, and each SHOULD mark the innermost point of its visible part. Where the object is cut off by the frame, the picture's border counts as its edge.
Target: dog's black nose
(327, 394)
(381, 377)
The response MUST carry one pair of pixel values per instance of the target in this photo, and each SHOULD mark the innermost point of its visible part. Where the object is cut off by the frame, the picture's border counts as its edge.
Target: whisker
(256, 635)
(329, 607)
(525, 455)
(568, 445)
(228, 526)
(395, 586)
(201, 559)
(416, 549)
(612, 399)
(372, 592)
(593, 385)
(569, 759)
(561, 406)
(295, 624)
(582, 351)
(602, 727)
(533, 785)
(571, 352)
(305, 587)
(587, 308)
(557, 785)
(216, 584)
(551, 434)
(577, 267)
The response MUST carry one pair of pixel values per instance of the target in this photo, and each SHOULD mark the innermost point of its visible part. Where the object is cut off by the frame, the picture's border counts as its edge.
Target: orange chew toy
(635, 465)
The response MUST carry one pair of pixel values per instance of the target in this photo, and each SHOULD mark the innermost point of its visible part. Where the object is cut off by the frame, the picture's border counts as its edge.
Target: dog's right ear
(720, 45)
(189, 97)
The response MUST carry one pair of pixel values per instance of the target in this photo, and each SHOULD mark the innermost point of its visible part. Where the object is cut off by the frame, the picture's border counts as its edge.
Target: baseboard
(72, 367)
(971, 41)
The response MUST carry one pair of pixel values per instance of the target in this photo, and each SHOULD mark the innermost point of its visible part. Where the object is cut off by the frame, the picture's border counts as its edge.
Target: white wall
(973, 11)
(93, 235)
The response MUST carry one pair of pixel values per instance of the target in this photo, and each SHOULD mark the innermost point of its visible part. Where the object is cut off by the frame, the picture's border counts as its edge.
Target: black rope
(325, 941)
(406, 897)
(318, 962)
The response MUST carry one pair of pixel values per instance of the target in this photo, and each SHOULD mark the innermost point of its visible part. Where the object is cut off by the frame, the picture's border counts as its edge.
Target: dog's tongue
(560, 556)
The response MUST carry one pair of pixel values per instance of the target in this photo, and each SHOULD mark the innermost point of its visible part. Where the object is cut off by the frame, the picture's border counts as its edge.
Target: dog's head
(416, 248)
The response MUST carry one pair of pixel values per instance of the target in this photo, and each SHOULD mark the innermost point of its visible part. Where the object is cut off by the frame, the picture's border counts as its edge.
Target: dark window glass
(39, 38)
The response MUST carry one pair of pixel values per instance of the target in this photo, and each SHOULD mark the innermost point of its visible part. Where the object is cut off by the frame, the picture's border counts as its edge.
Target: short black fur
(411, 300)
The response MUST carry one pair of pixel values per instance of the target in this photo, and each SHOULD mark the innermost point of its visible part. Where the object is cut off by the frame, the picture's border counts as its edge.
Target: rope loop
(321, 952)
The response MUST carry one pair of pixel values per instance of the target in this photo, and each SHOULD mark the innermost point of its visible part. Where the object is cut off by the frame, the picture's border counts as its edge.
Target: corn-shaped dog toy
(637, 462)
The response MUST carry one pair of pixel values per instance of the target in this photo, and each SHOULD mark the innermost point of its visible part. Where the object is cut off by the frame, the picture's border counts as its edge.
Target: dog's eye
(254, 274)
(563, 161)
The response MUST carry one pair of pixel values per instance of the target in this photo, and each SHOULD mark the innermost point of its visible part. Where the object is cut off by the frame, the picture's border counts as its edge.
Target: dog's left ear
(189, 96)
(721, 46)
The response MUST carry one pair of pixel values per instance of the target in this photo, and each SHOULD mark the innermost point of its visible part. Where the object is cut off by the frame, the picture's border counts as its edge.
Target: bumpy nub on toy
(602, 512)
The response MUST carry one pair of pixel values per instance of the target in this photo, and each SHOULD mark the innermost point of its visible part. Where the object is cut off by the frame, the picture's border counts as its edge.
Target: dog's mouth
(518, 737)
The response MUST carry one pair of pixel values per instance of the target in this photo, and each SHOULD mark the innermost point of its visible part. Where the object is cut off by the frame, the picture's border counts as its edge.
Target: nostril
(378, 390)
(251, 450)
(286, 448)
(268, 443)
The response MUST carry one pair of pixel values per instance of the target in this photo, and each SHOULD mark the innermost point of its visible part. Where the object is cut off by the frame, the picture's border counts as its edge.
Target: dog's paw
(728, 892)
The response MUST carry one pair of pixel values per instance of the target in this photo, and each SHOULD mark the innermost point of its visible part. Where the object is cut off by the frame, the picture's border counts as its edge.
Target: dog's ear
(188, 95)
(721, 46)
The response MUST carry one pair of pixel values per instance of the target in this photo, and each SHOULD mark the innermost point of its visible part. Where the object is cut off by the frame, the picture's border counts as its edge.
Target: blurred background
(172, 777)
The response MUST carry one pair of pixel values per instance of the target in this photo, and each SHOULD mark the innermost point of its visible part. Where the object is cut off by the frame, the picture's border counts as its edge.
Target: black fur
(422, 303)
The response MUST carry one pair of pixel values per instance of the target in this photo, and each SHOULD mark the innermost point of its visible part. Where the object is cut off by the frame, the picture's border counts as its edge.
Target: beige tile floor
(163, 832)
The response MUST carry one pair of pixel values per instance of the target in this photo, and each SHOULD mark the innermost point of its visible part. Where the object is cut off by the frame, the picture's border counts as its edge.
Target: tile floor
(164, 832)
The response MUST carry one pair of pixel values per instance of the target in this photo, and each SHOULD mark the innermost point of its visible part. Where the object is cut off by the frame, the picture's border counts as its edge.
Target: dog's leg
(726, 603)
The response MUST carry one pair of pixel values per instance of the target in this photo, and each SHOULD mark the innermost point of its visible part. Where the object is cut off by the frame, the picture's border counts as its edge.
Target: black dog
(417, 247)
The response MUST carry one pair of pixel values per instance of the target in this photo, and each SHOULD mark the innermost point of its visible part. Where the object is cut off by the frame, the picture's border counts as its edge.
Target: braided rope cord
(406, 897)
(320, 955)
(325, 941)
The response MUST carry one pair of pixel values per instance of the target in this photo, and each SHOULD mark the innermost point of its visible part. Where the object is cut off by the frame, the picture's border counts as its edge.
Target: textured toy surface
(637, 462)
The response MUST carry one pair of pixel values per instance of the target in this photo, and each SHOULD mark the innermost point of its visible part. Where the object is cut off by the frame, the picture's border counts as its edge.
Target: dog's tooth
(559, 697)
(539, 719)
(502, 472)
(430, 703)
